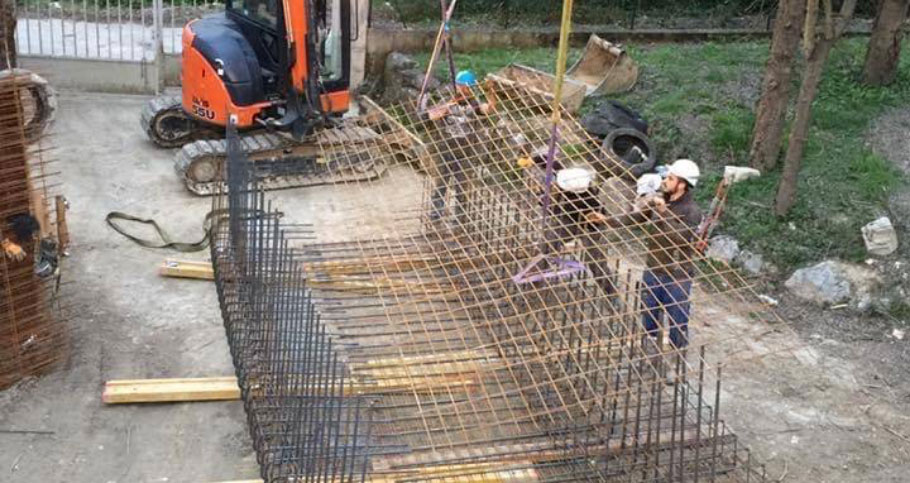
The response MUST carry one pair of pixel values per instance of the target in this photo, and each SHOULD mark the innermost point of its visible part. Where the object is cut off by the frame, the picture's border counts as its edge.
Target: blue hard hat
(466, 78)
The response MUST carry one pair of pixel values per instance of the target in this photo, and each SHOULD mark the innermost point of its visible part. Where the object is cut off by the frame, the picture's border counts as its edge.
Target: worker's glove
(658, 203)
(13, 251)
(437, 113)
(595, 218)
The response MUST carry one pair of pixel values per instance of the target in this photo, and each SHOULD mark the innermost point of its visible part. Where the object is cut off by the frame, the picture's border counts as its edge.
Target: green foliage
(900, 310)
(843, 184)
(731, 131)
(548, 12)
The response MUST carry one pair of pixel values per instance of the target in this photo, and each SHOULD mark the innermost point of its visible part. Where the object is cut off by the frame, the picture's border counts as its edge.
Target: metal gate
(123, 30)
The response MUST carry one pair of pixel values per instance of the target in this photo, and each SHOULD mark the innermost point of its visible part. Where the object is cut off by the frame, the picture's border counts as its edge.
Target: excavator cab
(280, 64)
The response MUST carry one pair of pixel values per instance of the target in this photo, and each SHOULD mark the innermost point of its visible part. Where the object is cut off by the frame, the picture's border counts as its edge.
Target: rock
(403, 79)
(880, 237)
(398, 62)
(752, 263)
(723, 248)
(832, 282)
(864, 303)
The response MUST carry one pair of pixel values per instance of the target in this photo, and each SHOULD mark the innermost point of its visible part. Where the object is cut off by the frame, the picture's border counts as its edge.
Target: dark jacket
(670, 237)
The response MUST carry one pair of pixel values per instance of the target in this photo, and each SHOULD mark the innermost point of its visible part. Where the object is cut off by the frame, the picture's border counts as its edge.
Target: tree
(769, 117)
(7, 32)
(884, 53)
(818, 49)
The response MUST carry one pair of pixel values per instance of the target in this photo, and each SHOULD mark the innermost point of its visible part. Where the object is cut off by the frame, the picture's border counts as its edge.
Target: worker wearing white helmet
(671, 220)
(686, 170)
(575, 197)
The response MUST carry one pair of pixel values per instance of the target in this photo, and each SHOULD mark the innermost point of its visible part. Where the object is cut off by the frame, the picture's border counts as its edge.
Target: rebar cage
(33, 335)
(457, 318)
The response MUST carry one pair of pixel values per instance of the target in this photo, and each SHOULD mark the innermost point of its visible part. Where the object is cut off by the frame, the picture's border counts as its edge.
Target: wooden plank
(170, 390)
(541, 453)
(187, 269)
(226, 388)
(63, 232)
(490, 472)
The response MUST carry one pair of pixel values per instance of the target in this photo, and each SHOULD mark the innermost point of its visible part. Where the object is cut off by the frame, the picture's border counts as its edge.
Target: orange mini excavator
(281, 69)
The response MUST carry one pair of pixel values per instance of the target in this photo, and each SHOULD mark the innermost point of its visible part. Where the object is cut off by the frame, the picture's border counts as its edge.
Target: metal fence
(133, 30)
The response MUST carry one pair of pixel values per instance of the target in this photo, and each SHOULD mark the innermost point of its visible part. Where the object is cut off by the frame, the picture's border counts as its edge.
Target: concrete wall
(384, 40)
(95, 75)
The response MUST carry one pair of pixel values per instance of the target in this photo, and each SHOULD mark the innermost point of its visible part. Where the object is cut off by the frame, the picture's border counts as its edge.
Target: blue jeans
(664, 294)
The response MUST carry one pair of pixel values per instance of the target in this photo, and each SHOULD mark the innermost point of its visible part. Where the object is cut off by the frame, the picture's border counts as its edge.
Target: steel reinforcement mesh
(481, 337)
(33, 336)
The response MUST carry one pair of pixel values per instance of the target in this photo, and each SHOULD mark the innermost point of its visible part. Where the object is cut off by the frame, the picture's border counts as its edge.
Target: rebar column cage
(393, 342)
(33, 336)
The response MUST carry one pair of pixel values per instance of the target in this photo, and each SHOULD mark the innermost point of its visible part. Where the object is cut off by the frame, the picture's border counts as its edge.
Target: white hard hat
(687, 170)
(649, 184)
(574, 180)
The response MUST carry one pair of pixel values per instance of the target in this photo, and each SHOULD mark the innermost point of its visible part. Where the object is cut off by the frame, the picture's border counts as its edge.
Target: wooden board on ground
(449, 375)
(187, 269)
(170, 390)
(488, 472)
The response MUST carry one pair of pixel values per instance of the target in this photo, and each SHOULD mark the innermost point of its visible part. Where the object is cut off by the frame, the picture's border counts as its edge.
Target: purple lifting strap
(558, 268)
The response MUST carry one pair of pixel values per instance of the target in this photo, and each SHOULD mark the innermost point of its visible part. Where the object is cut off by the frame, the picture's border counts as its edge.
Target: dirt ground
(127, 323)
(833, 410)
(831, 406)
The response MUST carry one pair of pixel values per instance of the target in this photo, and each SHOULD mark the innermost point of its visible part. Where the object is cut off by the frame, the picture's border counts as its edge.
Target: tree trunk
(7, 32)
(884, 53)
(799, 132)
(772, 108)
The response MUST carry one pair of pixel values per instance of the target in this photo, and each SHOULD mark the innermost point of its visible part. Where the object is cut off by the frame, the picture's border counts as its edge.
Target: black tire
(620, 142)
(610, 116)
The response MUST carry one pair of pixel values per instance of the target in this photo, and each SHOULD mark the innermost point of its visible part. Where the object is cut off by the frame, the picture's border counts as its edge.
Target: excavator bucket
(573, 94)
(605, 68)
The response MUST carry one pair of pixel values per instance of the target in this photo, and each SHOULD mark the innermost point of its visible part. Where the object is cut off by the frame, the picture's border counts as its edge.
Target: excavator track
(168, 126)
(282, 163)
